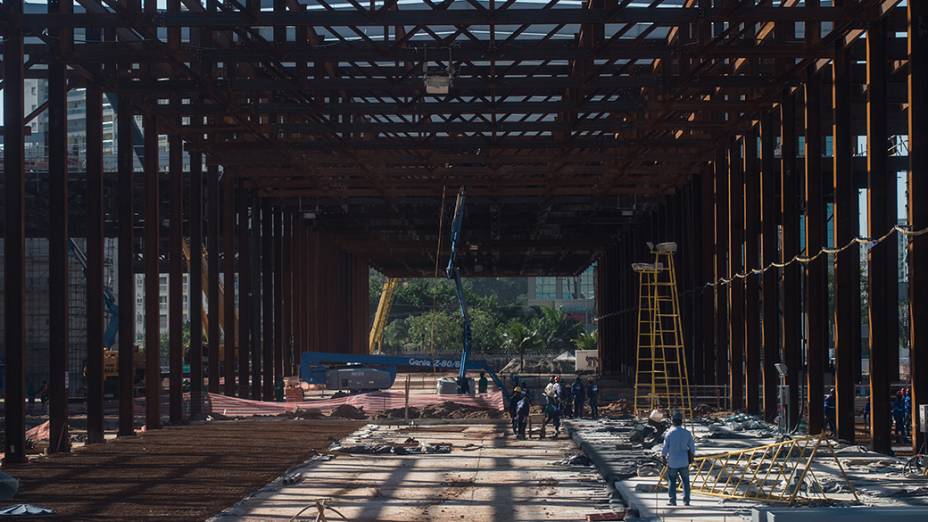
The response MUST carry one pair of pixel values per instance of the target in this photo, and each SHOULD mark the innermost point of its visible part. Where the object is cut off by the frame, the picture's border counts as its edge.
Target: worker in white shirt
(678, 452)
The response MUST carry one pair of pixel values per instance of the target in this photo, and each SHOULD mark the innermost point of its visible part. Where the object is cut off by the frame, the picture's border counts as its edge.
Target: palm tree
(518, 338)
(586, 341)
(557, 331)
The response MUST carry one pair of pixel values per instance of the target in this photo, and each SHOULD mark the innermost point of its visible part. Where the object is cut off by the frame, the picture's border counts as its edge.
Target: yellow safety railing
(782, 472)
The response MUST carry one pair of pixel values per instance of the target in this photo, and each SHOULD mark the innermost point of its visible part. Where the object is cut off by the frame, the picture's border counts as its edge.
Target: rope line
(865, 242)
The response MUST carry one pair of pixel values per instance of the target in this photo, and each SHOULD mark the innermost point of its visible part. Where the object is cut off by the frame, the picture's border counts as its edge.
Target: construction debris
(616, 409)
(409, 447)
(25, 510)
(576, 460)
(347, 411)
(444, 410)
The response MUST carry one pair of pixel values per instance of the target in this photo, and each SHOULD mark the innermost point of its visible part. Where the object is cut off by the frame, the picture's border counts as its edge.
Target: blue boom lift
(315, 366)
(453, 272)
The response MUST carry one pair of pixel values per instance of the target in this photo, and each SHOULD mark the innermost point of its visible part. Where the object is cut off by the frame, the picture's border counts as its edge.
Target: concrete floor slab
(488, 476)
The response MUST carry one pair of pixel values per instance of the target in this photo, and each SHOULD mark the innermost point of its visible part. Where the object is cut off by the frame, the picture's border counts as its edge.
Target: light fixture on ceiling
(438, 81)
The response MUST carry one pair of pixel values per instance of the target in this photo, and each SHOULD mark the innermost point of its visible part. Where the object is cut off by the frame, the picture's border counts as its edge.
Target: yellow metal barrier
(782, 472)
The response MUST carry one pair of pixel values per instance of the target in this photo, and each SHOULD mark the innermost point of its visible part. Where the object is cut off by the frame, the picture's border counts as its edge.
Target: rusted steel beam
(663, 16)
(126, 271)
(816, 296)
(277, 270)
(95, 248)
(752, 332)
(884, 345)
(212, 276)
(176, 281)
(267, 299)
(918, 208)
(14, 253)
(196, 285)
(706, 274)
(790, 210)
(151, 256)
(736, 300)
(59, 319)
(257, 303)
(286, 295)
(847, 263)
(230, 343)
(244, 294)
(720, 167)
(769, 200)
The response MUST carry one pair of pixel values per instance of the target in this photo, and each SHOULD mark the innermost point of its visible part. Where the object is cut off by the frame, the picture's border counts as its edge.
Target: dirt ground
(176, 473)
(487, 476)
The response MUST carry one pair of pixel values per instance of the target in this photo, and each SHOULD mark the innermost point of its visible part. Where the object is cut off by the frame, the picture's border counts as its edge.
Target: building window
(546, 288)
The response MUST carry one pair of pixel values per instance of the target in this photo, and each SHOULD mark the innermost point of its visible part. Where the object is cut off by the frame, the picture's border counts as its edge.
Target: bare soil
(176, 473)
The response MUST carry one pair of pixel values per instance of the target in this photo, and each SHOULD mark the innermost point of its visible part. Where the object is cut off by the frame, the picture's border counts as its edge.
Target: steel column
(244, 295)
(195, 281)
(286, 285)
(126, 266)
(883, 349)
(59, 323)
(721, 269)
(816, 296)
(735, 266)
(212, 276)
(14, 252)
(769, 173)
(790, 209)
(918, 207)
(707, 275)
(277, 271)
(847, 263)
(152, 275)
(267, 298)
(257, 303)
(176, 281)
(229, 341)
(95, 243)
(752, 344)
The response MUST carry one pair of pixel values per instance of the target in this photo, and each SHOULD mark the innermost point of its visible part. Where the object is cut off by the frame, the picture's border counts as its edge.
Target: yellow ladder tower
(661, 378)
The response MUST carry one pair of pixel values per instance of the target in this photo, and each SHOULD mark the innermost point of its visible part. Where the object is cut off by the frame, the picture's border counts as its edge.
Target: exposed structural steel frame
(579, 130)
(782, 472)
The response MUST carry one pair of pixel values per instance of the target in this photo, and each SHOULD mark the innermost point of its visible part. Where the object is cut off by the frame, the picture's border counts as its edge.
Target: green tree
(517, 338)
(557, 331)
(586, 341)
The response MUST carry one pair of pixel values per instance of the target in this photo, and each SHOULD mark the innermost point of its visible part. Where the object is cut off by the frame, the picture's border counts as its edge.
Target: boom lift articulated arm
(453, 272)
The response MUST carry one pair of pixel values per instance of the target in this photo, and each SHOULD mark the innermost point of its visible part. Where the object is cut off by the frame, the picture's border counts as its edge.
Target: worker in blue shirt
(830, 411)
(678, 452)
(898, 409)
(522, 410)
(592, 393)
(513, 408)
(578, 392)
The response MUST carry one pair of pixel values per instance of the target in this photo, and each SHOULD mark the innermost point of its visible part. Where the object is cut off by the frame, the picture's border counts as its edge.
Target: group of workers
(557, 401)
(900, 408)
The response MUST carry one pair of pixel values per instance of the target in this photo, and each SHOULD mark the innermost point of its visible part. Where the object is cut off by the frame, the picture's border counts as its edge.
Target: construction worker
(482, 384)
(567, 402)
(579, 394)
(592, 393)
(552, 409)
(830, 409)
(522, 410)
(678, 452)
(898, 409)
(513, 408)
